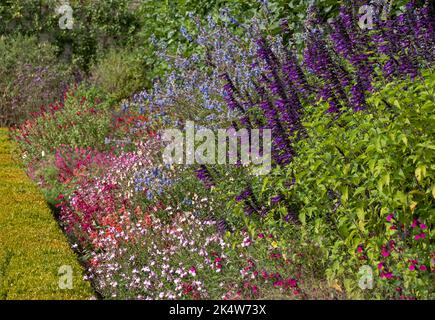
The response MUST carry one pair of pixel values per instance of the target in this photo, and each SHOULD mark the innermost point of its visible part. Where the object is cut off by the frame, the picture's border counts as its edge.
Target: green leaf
(420, 172)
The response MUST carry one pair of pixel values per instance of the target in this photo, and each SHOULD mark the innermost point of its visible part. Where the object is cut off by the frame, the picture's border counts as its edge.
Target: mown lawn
(32, 247)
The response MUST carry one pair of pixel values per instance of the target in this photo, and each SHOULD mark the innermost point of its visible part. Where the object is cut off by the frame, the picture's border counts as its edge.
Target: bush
(364, 190)
(98, 25)
(119, 74)
(30, 77)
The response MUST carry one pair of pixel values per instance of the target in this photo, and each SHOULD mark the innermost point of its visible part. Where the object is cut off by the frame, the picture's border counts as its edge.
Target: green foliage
(352, 171)
(120, 73)
(98, 25)
(30, 76)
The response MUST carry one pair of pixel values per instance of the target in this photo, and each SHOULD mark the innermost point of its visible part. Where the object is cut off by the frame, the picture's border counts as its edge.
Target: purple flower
(275, 199)
(203, 174)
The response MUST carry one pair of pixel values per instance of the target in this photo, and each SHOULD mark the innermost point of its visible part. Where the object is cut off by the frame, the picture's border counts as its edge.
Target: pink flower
(414, 224)
(360, 248)
(254, 290)
(387, 275)
(192, 271)
(412, 267)
(423, 267)
(390, 217)
(278, 283)
(420, 236)
(261, 235)
(292, 283)
(385, 253)
(380, 265)
(423, 226)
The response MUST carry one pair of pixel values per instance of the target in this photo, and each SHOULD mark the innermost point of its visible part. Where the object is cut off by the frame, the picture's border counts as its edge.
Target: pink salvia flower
(192, 271)
(385, 253)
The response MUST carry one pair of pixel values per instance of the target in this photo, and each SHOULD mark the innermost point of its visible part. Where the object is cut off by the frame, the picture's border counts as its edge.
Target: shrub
(119, 74)
(98, 25)
(30, 77)
(363, 187)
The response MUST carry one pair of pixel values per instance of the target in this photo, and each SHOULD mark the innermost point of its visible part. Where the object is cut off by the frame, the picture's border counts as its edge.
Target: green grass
(32, 246)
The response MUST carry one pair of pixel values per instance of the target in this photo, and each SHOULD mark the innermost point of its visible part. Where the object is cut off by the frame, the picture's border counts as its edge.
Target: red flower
(293, 283)
(254, 290)
(278, 283)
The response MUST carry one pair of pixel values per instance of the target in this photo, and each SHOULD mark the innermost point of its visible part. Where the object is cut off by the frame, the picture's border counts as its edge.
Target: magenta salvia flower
(386, 275)
(420, 236)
